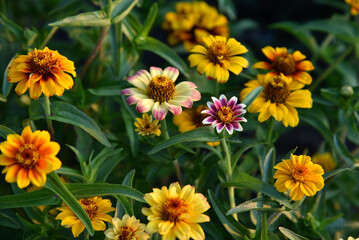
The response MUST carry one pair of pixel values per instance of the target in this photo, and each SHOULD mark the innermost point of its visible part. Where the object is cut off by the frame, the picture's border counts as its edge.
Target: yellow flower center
(276, 90)
(225, 114)
(173, 208)
(126, 233)
(27, 155)
(300, 173)
(161, 89)
(218, 52)
(41, 62)
(90, 207)
(284, 63)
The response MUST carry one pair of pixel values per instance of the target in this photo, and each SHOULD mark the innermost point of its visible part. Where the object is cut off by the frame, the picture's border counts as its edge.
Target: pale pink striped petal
(143, 75)
(144, 105)
(171, 72)
(137, 82)
(155, 71)
(175, 109)
(196, 95)
(159, 111)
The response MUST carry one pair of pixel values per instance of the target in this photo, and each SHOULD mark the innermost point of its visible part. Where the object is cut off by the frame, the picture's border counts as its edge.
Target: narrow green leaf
(126, 204)
(131, 26)
(291, 235)
(100, 158)
(203, 134)
(150, 19)
(132, 135)
(342, 151)
(268, 165)
(8, 219)
(235, 228)
(72, 173)
(88, 19)
(15, 29)
(256, 204)
(239, 153)
(164, 51)
(335, 172)
(4, 131)
(6, 85)
(108, 166)
(252, 96)
(121, 10)
(106, 91)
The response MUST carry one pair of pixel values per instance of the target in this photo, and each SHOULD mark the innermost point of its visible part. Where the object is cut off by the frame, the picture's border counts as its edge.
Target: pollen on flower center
(300, 173)
(218, 52)
(284, 63)
(277, 90)
(41, 63)
(27, 155)
(90, 207)
(126, 233)
(225, 114)
(161, 89)
(173, 208)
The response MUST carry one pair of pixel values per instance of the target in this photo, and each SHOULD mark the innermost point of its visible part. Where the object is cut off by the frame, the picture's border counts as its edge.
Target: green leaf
(150, 19)
(15, 29)
(256, 204)
(121, 10)
(291, 235)
(239, 153)
(268, 165)
(235, 228)
(67, 113)
(81, 158)
(132, 135)
(8, 219)
(4, 131)
(97, 162)
(335, 172)
(88, 19)
(342, 151)
(108, 166)
(126, 204)
(252, 96)
(131, 27)
(164, 51)
(72, 173)
(203, 134)
(6, 85)
(106, 91)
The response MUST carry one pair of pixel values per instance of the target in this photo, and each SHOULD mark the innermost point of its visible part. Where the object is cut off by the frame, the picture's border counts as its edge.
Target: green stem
(215, 88)
(264, 228)
(229, 174)
(330, 68)
(270, 131)
(49, 36)
(47, 110)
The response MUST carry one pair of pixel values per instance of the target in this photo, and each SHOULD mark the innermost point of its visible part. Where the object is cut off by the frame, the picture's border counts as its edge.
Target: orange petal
(269, 52)
(304, 66)
(262, 65)
(298, 56)
(302, 77)
(11, 173)
(37, 178)
(5, 161)
(40, 138)
(49, 148)
(27, 134)
(44, 166)
(23, 178)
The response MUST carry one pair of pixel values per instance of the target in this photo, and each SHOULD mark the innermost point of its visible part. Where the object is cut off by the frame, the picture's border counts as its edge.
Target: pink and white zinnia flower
(225, 114)
(155, 91)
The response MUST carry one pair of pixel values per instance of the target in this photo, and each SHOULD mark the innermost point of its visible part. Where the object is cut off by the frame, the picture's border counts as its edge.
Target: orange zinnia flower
(41, 71)
(289, 64)
(29, 157)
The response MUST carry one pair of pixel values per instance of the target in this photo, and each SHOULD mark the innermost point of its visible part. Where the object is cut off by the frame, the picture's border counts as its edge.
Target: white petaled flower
(155, 91)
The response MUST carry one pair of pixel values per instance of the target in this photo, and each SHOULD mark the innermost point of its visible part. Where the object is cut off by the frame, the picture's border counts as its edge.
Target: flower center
(276, 90)
(225, 114)
(300, 173)
(90, 207)
(161, 89)
(126, 233)
(218, 52)
(284, 63)
(173, 208)
(41, 62)
(27, 155)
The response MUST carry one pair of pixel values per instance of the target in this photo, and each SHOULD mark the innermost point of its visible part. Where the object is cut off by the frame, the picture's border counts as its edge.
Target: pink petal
(240, 119)
(232, 102)
(212, 107)
(171, 72)
(176, 110)
(144, 75)
(223, 100)
(132, 100)
(187, 103)
(216, 103)
(237, 126)
(159, 111)
(229, 128)
(208, 112)
(155, 71)
(208, 120)
(196, 95)
(239, 112)
(126, 91)
(144, 105)
(220, 127)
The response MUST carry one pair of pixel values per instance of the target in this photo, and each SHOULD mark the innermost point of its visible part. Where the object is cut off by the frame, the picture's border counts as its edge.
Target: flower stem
(215, 88)
(270, 131)
(49, 36)
(47, 110)
(229, 174)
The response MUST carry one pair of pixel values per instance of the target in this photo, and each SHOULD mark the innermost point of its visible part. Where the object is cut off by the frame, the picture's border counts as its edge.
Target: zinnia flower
(225, 114)
(325, 160)
(96, 208)
(41, 71)
(192, 21)
(218, 57)
(29, 157)
(156, 91)
(300, 176)
(279, 98)
(127, 228)
(349, 238)
(146, 127)
(354, 6)
(292, 65)
(175, 212)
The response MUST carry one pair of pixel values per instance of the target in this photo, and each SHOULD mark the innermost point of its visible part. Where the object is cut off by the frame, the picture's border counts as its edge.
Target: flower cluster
(354, 6)
(126, 228)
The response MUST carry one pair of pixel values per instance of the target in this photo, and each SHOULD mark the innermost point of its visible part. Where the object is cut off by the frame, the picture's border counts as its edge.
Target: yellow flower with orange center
(325, 160)
(280, 98)
(300, 176)
(41, 71)
(292, 65)
(175, 212)
(217, 57)
(146, 127)
(354, 6)
(192, 21)
(127, 228)
(29, 157)
(96, 208)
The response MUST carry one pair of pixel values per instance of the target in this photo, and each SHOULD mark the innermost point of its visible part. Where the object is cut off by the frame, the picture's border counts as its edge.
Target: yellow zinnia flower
(217, 57)
(146, 127)
(325, 160)
(41, 71)
(291, 65)
(126, 228)
(96, 208)
(175, 212)
(192, 21)
(279, 98)
(349, 238)
(29, 157)
(300, 176)
(354, 6)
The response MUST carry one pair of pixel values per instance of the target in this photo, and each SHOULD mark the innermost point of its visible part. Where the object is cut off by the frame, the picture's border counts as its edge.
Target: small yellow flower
(354, 6)
(349, 238)
(192, 21)
(280, 98)
(42, 71)
(29, 157)
(96, 208)
(300, 176)
(325, 160)
(176, 212)
(146, 127)
(127, 228)
(217, 57)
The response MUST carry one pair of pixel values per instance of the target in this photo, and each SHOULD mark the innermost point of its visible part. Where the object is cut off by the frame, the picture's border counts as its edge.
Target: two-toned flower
(156, 91)
(146, 127)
